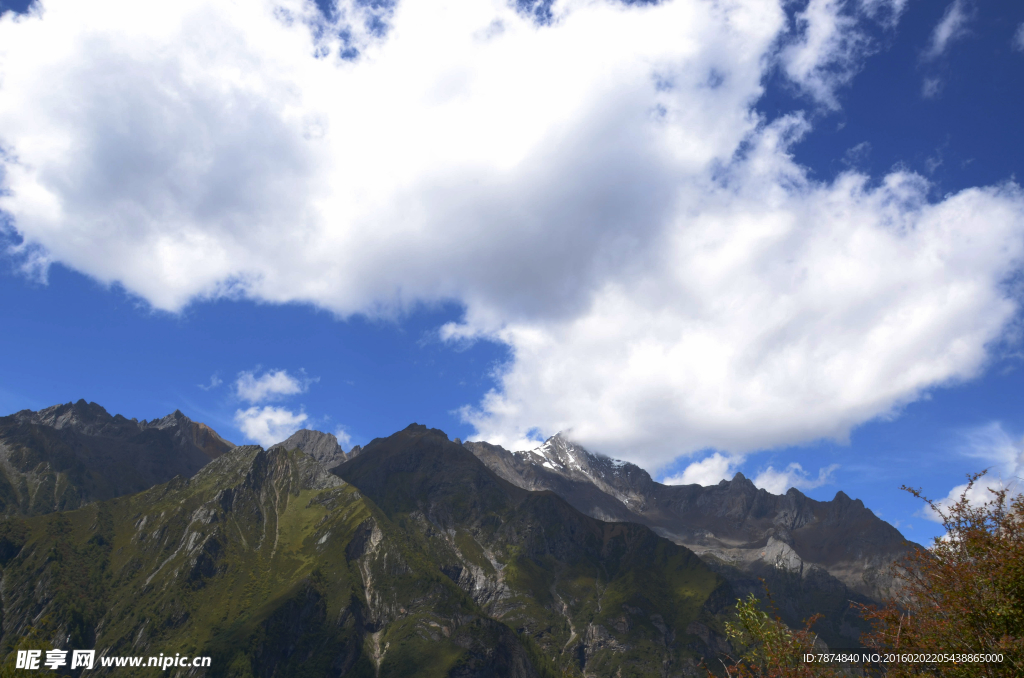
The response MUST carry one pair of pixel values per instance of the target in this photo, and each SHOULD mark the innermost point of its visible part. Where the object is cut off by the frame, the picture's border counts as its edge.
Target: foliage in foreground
(964, 595)
(769, 648)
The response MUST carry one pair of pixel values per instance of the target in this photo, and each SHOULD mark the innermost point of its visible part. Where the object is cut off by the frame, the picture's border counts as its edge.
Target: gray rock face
(65, 456)
(804, 547)
(254, 469)
(601, 487)
(323, 447)
(841, 535)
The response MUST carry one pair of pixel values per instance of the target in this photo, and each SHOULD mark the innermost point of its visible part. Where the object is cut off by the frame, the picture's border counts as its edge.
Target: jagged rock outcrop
(68, 455)
(323, 447)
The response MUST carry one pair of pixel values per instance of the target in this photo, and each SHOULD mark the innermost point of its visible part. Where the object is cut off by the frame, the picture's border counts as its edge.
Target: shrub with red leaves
(963, 596)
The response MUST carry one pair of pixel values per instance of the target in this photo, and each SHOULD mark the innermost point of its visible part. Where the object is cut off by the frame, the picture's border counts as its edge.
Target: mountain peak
(78, 415)
(78, 453)
(308, 575)
(732, 514)
(175, 418)
(741, 479)
(323, 447)
(252, 467)
(420, 429)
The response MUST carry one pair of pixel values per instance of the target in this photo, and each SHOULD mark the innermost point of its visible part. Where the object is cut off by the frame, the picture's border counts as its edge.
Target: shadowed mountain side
(68, 455)
(613, 595)
(262, 560)
(840, 535)
(823, 554)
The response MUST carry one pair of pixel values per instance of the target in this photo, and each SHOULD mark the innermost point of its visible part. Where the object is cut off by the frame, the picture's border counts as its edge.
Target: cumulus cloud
(717, 467)
(270, 385)
(770, 318)
(951, 27)
(1018, 38)
(708, 471)
(778, 482)
(202, 151)
(996, 450)
(599, 193)
(268, 425)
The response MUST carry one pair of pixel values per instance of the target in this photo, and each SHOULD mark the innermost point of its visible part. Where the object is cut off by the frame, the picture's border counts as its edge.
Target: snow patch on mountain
(561, 455)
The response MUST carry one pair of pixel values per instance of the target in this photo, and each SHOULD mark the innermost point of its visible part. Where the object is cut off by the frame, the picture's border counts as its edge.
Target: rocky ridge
(441, 494)
(822, 555)
(68, 455)
(323, 447)
(605, 597)
(275, 567)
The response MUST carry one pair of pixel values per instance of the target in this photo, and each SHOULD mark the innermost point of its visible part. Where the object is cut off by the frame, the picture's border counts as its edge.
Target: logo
(55, 659)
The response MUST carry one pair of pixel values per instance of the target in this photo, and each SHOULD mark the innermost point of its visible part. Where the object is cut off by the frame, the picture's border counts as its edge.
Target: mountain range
(414, 556)
(66, 456)
(822, 555)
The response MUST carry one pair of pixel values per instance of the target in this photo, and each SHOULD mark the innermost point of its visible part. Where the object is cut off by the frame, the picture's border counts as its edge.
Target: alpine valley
(415, 555)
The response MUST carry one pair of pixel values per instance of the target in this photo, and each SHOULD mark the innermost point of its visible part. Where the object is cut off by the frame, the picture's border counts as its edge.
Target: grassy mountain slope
(425, 565)
(604, 596)
(262, 560)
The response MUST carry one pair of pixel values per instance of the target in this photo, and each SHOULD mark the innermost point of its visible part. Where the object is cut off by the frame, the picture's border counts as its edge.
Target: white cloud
(829, 50)
(201, 151)
(769, 318)
(951, 27)
(344, 438)
(270, 385)
(215, 381)
(600, 194)
(268, 425)
(998, 452)
(991, 443)
(858, 155)
(830, 42)
(778, 482)
(931, 87)
(708, 471)
(886, 12)
(1018, 38)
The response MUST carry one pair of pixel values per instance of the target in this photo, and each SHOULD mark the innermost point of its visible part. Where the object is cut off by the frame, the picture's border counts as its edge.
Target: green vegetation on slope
(602, 597)
(424, 564)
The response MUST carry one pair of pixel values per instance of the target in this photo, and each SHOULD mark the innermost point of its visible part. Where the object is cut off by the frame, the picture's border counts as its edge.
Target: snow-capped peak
(557, 453)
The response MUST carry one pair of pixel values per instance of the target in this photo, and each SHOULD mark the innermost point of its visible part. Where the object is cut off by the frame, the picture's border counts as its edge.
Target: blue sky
(782, 240)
